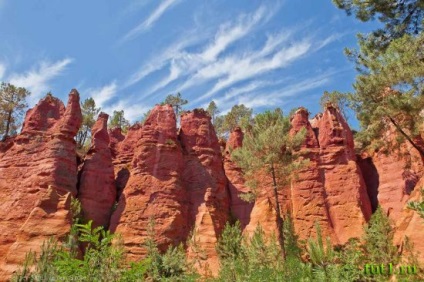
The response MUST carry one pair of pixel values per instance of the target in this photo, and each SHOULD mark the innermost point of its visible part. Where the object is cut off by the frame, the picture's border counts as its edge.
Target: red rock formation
(308, 194)
(396, 174)
(42, 156)
(347, 199)
(97, 191)
(115, 138)
(409, 224)
(204, 178)
(154, 190)
(240, 209)
(122, 149)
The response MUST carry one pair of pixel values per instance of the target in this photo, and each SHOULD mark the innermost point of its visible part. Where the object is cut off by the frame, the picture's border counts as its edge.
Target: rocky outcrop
(240, 209)
(308, 193)
(346, 195)
(204, 178)
(395, 176)
(409, 225)
(154, 192)
(123, 148)
(182, 186)
(38, 175)
(97, 191)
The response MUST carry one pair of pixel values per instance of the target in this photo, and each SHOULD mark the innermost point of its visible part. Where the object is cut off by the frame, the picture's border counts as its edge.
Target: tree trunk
(280, 221)
(9, 120)
(419, 149)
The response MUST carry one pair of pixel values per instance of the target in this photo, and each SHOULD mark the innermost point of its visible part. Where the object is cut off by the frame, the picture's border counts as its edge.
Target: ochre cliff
(204, 178)
(180, 185)
(154, 192)
(348, 203)
(97, 190)
(38, 175)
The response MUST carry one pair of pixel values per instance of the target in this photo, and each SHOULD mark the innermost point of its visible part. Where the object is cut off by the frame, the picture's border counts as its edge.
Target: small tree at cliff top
(239, 115)
(268, 147)
(177, 102)
(118, 120)
(12, 105)
(89, 113)
(213, 111)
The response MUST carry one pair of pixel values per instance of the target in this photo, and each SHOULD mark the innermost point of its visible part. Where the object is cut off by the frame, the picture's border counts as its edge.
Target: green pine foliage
(118, 120)
(418, 206)
(89, 113)
(378, 239)
(238, 116)
(12, 106)
(268, 147)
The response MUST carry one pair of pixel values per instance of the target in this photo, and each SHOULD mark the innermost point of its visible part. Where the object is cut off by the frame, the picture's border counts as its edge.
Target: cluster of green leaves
(389, 89)
(94, 254)
(418, 206)
(238, 116)
(118, 120)
(177, 102)
(89, 113)
(61, 262)
(259, 258)
(268, 147)
(12, 105)
(399, 17)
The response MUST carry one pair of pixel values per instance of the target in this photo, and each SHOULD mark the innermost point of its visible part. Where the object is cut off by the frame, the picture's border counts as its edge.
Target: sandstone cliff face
(346, 195)
(183, 183)
(38, 175)
(240, 209)
(204, 178)
(97, 190)
(409, 224)
(395, 177)
(122, 150)
(328, 189)
(154, 192)
(308, 193)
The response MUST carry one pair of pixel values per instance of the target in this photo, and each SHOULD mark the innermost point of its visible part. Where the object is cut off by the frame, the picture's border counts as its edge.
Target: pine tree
(89, 113)
(338, 100)
(12, 105)
(378, 238)
(418, 206)
(399, 17)
(177, 102)
(213, 111)
(118, 120)
(268, 147)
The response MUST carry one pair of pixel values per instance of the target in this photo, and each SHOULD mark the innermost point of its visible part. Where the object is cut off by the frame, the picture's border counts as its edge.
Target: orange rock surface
(154, 192)
(204, 178)
(97, 190)
(38, 175)
(181, 181)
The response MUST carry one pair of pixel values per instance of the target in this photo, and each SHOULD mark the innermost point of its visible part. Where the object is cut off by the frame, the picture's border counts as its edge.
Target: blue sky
(131, 54)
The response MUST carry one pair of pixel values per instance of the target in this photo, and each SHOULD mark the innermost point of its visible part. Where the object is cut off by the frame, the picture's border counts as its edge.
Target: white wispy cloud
(160, 60)
(185, 63)
(253, 65)
(38, 78)
(103, 94)
(132, 111)
(154, 16)
(255, 99)
(231, 32)
(2, 70)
